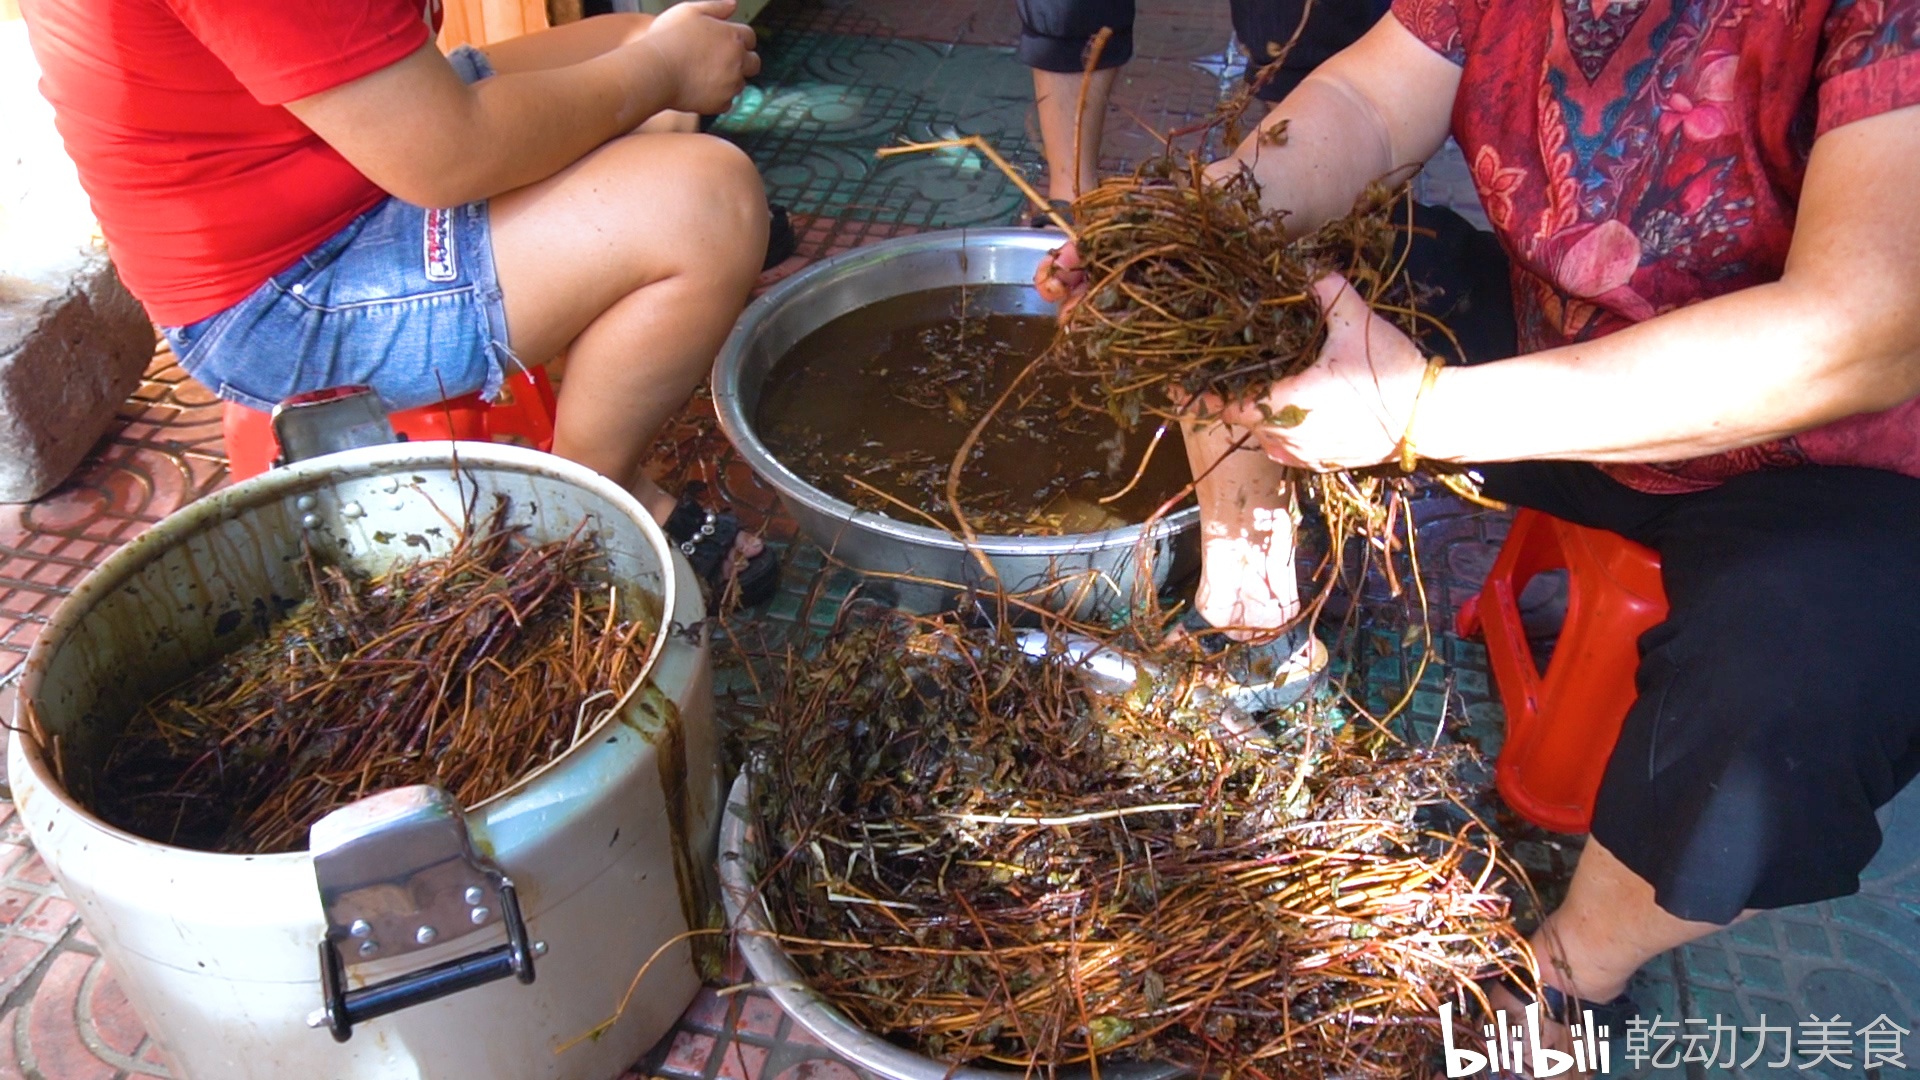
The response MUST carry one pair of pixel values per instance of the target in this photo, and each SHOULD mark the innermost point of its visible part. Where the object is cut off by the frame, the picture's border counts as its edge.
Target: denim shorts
(404, 299)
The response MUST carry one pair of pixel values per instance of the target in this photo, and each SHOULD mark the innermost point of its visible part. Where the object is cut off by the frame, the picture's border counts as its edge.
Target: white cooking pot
(607, 849)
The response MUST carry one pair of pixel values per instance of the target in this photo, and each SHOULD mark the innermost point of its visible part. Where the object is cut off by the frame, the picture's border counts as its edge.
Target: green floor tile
(1469, 653)
(1708, 962)
(785, 607)
(1756, 933)
(1761, 973)
(831, 100)
(1807, 940)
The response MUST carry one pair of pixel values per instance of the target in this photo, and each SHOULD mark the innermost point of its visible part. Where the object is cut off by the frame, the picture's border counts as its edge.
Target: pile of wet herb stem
(973, 856)
(467, 671)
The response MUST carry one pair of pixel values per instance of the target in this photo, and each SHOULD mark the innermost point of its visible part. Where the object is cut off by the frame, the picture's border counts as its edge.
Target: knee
(734, 205)
(687, 206)
(723, 170)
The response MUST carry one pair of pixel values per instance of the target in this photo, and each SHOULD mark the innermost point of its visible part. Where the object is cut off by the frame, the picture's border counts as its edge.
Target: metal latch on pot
(397, 873)
(326, 421)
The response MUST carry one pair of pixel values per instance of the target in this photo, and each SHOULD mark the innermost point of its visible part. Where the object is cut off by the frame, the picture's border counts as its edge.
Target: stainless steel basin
(757, 938)
(1090, 573)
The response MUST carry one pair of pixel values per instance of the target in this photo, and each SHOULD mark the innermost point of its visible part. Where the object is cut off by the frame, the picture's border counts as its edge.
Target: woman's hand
(1060, 277)
(1350, 409)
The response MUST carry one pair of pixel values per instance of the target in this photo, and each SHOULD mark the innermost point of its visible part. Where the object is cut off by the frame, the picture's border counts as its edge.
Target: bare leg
(1055, 97)
(1247, 577)
(1608, 927)
(636, 260)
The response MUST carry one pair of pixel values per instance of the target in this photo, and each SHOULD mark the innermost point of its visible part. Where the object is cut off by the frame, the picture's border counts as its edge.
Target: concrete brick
(13, 902)
(72, 348)
(10, 1067)
(73, 341)
(18, 957)
(49, 920)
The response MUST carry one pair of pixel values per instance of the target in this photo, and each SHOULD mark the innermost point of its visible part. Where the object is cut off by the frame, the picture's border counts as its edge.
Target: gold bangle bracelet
(1408, 458)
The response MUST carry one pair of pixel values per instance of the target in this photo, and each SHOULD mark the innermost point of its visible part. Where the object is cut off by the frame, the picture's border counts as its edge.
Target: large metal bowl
(740, 866)
(1090, 573)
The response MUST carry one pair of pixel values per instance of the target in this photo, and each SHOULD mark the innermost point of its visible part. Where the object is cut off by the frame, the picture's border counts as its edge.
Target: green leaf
(1104, 1031)
(1289, 416)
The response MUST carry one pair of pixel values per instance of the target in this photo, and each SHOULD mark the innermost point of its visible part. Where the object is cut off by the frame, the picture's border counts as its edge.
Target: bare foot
(1521, 1038)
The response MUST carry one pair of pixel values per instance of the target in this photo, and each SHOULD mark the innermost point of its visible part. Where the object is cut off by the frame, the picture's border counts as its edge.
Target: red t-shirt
(1635, 156)
(203, 184)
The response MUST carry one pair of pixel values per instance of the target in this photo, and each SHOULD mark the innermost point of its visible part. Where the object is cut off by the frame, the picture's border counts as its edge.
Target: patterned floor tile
(1151, 98)
(1163, 29)
(828, 101)
(1180, 30)
(960, 22)
(164, 452)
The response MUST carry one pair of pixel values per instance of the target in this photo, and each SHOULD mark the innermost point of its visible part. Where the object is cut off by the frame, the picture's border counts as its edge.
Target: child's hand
(707, 59)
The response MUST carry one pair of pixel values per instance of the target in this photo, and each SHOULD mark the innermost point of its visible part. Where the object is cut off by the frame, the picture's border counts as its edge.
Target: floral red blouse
(1635, 156)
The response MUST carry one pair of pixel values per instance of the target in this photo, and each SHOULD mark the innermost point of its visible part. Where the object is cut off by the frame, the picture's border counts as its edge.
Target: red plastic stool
(1561, 726)
(523, 411)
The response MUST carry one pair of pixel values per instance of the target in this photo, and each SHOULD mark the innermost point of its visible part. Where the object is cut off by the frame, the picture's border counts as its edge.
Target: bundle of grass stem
(1194, 287)
(975, 854)
(1195, 294)
(468, 671)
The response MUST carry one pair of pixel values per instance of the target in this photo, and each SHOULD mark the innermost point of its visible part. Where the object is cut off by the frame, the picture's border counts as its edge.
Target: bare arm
(571, 43)
(1378, 109)
(1834, 337)
(423, 135)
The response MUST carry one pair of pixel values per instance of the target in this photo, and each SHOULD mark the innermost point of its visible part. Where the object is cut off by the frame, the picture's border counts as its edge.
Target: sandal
(1039, 220)
(782, 241)
(706, 538)
(1262, 676)
(1592, 1025)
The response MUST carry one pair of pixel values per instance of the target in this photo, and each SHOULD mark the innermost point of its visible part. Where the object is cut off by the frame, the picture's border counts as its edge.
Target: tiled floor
(844, 77)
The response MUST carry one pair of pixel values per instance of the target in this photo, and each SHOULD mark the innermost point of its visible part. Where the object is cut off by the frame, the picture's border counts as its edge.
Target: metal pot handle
(397, 873)
(325, 421)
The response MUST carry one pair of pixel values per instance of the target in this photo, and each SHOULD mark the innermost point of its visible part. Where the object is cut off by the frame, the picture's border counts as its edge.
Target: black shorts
(1777, 709)
(1054, 34)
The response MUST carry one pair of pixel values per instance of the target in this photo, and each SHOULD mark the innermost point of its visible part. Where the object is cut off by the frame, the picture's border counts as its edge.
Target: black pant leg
(1332, 25)
(1777, 706)
(1054, 33)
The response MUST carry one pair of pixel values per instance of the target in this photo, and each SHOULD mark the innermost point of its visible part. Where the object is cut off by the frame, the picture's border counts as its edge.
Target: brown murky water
(880, 399)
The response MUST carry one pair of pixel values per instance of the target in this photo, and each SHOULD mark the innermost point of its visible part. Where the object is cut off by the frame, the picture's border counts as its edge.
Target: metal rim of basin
(328, 472)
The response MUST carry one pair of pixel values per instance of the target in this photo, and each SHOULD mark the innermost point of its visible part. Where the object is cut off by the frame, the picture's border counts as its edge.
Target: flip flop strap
(704, 536)
(1563, 1008)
